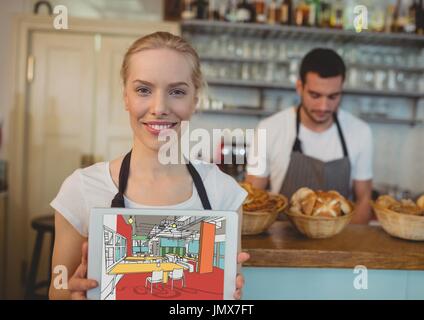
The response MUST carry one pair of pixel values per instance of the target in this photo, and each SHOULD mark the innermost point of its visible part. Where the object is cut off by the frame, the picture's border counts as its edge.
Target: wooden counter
(283, 246)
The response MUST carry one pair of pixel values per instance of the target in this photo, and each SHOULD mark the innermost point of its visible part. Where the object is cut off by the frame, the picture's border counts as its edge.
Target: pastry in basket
(405, 206)
(420, 202)
(261, 200)
(320, 203)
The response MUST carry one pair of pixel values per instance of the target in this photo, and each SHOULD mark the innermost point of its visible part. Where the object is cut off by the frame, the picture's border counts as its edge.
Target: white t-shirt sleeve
(362, 168)
(228, 193)
(257, 157)
(71, 203)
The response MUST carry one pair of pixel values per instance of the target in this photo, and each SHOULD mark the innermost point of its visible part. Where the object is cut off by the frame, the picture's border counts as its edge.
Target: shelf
(239, 112)
(280, 61)
(288, 32)
(410, 122)
(265, 85)
(266, 113)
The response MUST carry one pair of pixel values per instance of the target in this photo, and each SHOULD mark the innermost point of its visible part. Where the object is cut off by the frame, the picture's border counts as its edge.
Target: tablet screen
(163, 257)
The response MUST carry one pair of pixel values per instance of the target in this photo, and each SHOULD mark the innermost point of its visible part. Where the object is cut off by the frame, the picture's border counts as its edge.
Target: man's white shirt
(325, 146)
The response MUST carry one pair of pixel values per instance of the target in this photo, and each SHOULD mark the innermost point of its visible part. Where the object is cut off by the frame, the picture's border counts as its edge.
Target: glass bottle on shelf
(388, 20)
(401, 16)
(188, 12)
(314, 9)
(302, 14)
(419, 18)
(325, 14)
(273, 12)
(376, 17)
(245, 12)
(260, 11)
(286, 12)
(410, 26)
(201, 9)
(222, 10)
(349, 15)
(213, 12)
(231, 15)
(336, 17)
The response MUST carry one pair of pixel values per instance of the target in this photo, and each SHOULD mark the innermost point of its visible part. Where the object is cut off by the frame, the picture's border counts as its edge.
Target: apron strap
(297, 143)
(342, 139)
(199, 186)
(297, 146)
(118, 200)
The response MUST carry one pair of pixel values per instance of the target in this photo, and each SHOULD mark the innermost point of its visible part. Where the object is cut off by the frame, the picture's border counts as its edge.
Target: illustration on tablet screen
(163, 257)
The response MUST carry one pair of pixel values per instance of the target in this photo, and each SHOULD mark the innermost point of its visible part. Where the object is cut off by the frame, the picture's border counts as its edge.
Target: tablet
(151, 254)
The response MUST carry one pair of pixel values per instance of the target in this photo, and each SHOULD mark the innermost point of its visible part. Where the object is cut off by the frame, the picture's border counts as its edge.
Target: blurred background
(61, 98)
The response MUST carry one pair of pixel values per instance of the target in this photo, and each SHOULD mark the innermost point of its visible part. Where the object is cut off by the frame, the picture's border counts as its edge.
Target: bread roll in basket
(319, 214)
(402, 219)
(260, 209)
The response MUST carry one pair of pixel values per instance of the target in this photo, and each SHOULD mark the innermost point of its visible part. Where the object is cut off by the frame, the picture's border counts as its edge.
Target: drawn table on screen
(127, 268)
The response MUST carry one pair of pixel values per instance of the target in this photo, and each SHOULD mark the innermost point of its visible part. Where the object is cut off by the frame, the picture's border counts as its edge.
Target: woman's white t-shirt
(93, 187)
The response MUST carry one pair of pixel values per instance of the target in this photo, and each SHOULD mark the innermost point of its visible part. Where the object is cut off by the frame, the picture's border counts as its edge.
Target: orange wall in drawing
(206, 247)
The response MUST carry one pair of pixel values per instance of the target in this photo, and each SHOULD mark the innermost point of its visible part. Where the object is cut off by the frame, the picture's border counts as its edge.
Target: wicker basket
(317, 227)
(255, 222)
(404, 226)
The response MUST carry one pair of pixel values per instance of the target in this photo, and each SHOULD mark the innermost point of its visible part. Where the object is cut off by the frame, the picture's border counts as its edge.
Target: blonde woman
(162, 82)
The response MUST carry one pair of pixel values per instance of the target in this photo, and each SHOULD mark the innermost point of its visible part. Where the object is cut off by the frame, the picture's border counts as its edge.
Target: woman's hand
(79, 284)
(241, 258)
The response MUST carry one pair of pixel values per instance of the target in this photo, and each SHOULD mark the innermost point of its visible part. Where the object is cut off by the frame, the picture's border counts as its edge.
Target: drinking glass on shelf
(381, 108)
(245, 71)
(410, 82)
(238, 44)
(421, 83)
(411, 59)
(280, 75)
(269, 73)
(256, 52)
(400, 59)
(293, 68)
(353, 77)
(282, 51)
(223, 70)
(368, 79)
(247, 48)
(234, 71)
(255, 72)
(391, 80)
(365, 108)
(400, 80)
(231, 47)
(389, 59)
(211, 47)
(223, 45)
(380, 79)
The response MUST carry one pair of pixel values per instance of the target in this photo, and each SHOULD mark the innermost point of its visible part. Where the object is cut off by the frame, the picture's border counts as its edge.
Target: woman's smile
(155, 127)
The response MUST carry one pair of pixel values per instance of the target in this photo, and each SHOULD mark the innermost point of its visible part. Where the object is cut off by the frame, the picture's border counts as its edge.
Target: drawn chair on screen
(177, 274)
(157, 277)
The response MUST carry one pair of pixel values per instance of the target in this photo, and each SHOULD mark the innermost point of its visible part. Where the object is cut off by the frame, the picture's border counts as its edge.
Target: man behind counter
(317, 144)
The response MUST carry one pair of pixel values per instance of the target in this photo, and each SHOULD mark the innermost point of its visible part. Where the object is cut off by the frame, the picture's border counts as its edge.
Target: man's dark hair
(326, 62)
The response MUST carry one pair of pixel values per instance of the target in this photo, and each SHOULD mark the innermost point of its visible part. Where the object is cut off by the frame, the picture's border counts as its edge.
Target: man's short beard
(310, 116)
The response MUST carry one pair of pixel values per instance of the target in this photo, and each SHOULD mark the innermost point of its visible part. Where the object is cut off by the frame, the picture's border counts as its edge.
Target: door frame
(17, 212)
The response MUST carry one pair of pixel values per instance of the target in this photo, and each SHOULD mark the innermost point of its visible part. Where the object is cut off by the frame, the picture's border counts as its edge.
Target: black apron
(305, 171)
(118, 200)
